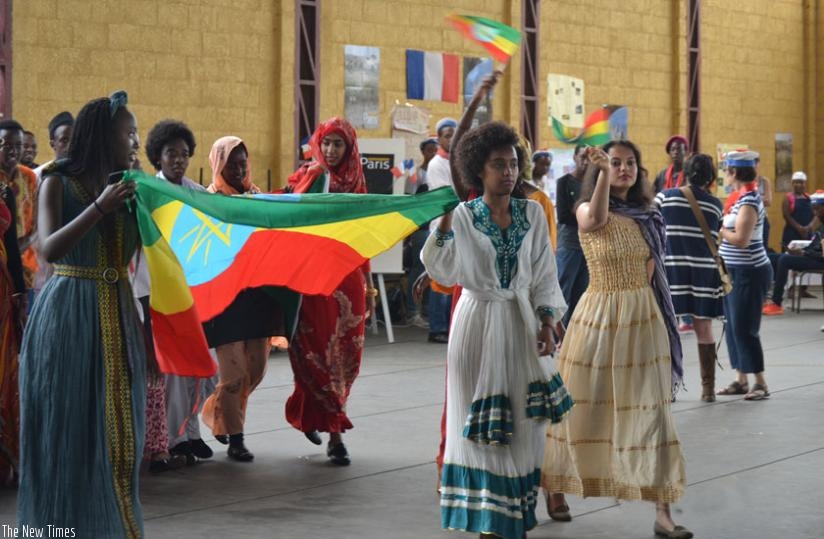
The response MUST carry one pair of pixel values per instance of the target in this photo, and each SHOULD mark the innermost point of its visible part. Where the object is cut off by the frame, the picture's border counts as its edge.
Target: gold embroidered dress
(82, 386)
(620, 439)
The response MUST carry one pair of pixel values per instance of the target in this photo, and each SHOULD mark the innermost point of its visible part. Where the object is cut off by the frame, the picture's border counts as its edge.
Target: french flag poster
(432, 76)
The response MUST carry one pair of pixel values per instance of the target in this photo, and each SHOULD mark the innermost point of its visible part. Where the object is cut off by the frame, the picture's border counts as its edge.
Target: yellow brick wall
(758, 73)
(627, 54)
(395, 27)
(754, 77)
(231, 70)
(213, 66)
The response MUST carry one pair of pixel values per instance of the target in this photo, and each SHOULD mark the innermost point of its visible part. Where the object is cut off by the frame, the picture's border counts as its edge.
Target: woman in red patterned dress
(12, 289)
(327, 347)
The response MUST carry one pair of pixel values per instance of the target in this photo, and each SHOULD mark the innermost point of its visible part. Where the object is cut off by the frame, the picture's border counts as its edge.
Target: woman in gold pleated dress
(621, 357)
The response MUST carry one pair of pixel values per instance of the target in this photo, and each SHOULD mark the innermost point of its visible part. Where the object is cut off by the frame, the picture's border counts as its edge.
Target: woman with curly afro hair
(173, 402)
(499, 396)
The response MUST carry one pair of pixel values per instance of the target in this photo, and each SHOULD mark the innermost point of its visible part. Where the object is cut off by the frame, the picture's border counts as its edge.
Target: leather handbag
(726, 279)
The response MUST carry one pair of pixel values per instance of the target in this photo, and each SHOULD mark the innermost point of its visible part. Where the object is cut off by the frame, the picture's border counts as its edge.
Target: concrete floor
(754, 468)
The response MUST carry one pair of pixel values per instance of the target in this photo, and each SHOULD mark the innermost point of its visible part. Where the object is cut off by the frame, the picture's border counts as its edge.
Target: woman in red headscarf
(326, 350)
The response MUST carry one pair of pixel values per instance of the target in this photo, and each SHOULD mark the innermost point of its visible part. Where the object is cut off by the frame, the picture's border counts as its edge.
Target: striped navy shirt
(754, 254)
(692, 273)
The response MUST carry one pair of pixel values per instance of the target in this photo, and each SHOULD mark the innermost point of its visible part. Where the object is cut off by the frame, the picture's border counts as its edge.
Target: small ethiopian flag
(500, 40)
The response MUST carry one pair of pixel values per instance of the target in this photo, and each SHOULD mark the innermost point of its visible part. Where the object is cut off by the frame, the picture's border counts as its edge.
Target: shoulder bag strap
(702, 222)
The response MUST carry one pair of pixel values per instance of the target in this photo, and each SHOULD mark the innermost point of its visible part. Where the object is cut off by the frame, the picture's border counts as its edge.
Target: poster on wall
(721, 150)
(475, 70)
(411, 124)
(361, 78)
(565, 100)
(783, 161)
(377, 168)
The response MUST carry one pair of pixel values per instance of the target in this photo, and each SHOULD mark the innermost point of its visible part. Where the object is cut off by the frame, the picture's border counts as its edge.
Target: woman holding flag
(327, 347)
(82, 361)
(240, 334)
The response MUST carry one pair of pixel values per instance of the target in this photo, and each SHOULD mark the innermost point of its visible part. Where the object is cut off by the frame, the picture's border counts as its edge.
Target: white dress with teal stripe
(499, 394)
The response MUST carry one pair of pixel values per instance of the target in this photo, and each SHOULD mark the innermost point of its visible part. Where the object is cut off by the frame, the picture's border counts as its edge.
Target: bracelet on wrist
(98, 208)
(442, 237)
(371, 292)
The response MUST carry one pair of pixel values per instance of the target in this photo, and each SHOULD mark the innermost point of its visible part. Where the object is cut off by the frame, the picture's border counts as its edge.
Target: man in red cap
(673, 176)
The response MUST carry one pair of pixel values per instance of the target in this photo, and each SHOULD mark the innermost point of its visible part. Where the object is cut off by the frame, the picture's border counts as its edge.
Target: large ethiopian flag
(204, 249)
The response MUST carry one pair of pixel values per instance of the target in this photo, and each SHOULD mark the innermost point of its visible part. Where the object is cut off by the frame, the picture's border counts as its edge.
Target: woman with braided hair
(82, 386)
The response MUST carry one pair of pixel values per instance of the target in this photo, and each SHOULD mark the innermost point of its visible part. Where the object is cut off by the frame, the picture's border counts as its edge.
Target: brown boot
(707, 357)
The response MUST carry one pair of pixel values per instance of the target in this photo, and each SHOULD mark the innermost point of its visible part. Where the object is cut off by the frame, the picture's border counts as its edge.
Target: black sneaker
(239, 453)
(200, 449)
(338, 454)
(313, 436)
(184, 449)
(441, 338)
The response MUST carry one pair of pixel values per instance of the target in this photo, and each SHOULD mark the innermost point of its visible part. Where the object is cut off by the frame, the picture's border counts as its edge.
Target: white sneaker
(822, 328)
(419, 321)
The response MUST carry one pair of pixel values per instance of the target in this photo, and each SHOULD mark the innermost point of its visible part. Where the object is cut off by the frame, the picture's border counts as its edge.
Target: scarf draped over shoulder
(347, 176)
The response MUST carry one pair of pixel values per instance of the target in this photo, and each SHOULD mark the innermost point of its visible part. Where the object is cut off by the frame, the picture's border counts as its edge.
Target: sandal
(735, 388)
(759, 392)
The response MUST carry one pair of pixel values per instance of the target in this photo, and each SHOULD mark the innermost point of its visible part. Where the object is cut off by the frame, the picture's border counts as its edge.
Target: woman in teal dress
(83, 355)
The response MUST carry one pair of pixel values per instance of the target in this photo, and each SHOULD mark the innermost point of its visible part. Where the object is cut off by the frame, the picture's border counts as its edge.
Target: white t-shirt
(438, 174)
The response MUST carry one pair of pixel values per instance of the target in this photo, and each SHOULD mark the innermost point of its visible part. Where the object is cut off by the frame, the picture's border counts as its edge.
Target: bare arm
(464, 125)
(57, 239)
(744, 225)
(445, 226)
(593, 215)
(767, 197)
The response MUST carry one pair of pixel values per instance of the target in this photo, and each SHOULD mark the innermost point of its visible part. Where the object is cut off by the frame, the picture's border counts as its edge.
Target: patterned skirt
(499, 398)
(620, 440)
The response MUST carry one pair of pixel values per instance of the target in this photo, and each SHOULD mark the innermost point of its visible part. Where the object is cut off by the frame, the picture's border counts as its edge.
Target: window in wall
(307, 69)
(530, 18)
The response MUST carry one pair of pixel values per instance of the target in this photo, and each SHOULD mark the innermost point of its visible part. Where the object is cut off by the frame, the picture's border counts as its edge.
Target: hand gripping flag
(202, 250)
(500, 40)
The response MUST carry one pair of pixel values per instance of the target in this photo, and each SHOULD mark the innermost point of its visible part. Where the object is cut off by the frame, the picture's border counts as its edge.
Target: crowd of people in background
(597, 278)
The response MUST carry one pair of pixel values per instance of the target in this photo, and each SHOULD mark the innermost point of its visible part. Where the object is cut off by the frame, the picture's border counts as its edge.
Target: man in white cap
(797, 211)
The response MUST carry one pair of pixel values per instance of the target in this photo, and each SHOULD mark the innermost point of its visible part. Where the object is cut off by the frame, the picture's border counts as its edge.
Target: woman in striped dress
(695, 283)
(743, 252)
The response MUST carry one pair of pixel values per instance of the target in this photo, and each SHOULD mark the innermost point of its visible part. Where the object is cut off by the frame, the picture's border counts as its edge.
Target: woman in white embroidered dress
(499, 395)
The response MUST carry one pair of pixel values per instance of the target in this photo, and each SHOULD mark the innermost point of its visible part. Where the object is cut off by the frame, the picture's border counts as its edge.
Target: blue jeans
(573, 276)
(440, 306)
(787, 262)
(742, 307)
(416, 241)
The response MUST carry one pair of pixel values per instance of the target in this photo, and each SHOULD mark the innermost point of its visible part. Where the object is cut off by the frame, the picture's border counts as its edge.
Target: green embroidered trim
(507, 242)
